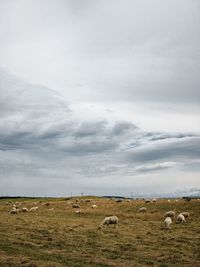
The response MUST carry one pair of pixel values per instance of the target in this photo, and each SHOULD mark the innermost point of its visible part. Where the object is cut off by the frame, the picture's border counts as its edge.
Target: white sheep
(154, 200)
(169, 201)
(109, 220)
(94, 206)
(24, 209)
(181, 218)
(169, 214)
(185, 214)
(34, 208)
(143, 209)
(15, 206)
(168, 222)
(78, 212)
(14, 211)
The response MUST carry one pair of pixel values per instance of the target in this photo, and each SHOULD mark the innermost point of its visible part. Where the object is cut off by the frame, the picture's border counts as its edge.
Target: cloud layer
(46, 143)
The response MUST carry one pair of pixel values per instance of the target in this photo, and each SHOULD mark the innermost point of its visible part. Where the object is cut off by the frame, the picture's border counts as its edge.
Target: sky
(100, 97)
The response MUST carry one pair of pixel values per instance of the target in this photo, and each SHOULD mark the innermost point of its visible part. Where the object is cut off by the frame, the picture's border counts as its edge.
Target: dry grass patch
(63, 238)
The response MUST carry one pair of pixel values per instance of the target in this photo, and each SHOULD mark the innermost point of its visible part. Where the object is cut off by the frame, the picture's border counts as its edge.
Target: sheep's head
(99, 227)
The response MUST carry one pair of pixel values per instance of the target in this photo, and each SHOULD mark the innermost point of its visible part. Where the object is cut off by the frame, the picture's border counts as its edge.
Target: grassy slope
(63, 238)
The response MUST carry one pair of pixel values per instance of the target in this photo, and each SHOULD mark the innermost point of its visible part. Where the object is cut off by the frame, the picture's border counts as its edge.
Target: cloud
(154, 167)
(179, 150)
(44, 136)
(123, 127)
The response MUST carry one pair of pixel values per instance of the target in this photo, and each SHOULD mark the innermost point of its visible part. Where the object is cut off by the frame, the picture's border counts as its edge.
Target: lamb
(169, 214)
(94, 206)
(181, 218)
(143, 209)
(109, 220)
(185, 214)
(168, 222)
(34, 208)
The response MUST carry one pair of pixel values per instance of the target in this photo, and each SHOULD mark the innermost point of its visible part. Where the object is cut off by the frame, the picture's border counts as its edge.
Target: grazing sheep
(75, 206)
(94, 206)
(47, 204)
(78, 211)
(185, 214)
(119, 200)
(147, 201)
(128, 200)
(143, 209)
(15, 206)
(24, 209)
(169, 214)
(154, 200)
(168, 200)
(87, 200)
(181, 218)
(168, 222)
(109, 220)
(34, 208)
(14, 211)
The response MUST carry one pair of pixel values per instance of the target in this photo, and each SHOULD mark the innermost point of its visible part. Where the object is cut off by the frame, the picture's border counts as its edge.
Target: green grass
(63, 238)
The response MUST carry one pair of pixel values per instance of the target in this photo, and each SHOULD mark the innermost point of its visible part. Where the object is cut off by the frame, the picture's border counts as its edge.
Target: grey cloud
(122, 127)
(90, 129)
(154, 167)
(179, 150)
(158, 136)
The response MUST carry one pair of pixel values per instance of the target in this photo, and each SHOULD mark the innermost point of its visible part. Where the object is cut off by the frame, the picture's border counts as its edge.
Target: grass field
(59, 237)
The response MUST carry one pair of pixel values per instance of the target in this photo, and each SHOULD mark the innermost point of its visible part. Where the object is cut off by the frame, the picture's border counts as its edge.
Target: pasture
(55, 236)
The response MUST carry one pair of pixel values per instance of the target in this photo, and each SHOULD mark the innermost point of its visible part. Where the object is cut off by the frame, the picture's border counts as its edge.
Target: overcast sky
(99, 96)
